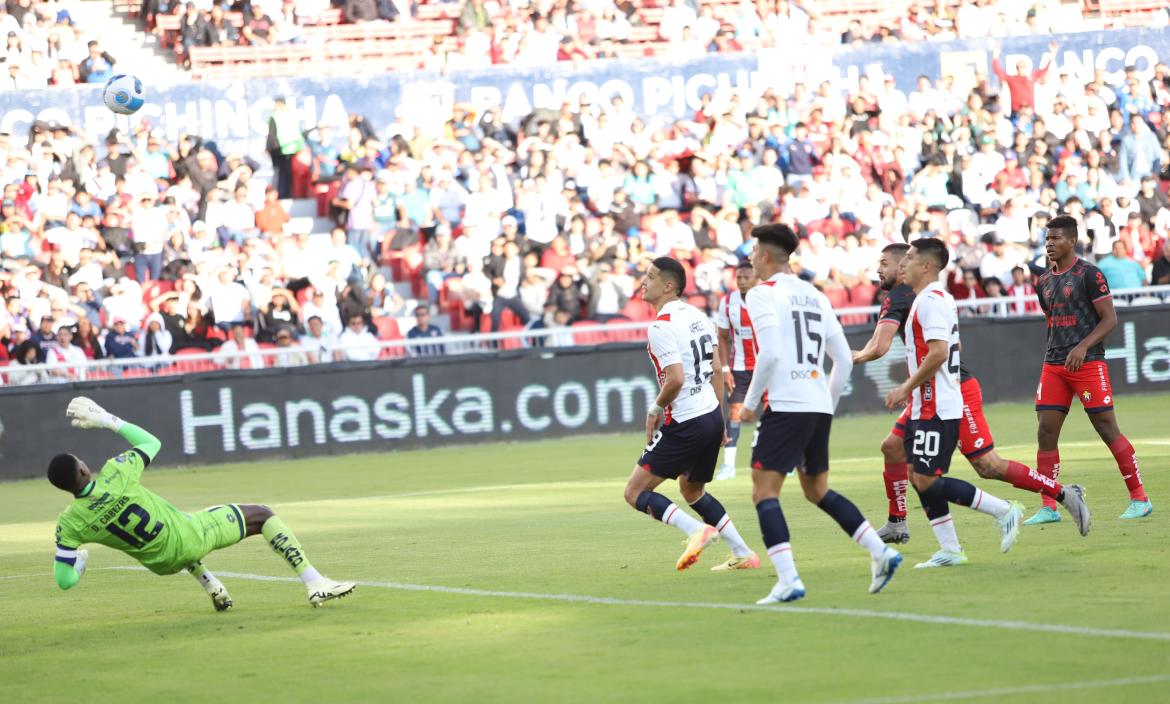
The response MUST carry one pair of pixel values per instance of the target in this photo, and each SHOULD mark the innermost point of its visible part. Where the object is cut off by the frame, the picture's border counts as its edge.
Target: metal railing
(580, 334)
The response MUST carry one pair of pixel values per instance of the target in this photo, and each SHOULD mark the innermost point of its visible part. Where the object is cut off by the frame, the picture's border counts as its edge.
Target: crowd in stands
(45, 46)
(140, 247)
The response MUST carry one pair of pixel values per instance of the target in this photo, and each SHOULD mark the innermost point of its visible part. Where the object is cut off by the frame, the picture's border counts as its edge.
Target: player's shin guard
(285, 544)
(663, 509)
(775, 531)
(714, 515)
(897, 479)
(1048, 464)
(1127, 464)
(1021, 476)
(849, 517)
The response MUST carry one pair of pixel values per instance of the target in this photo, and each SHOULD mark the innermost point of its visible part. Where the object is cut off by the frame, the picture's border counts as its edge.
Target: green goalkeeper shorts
(221, 526)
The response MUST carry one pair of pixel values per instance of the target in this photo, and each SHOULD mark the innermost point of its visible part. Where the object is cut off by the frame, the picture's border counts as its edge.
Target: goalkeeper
(112, 508)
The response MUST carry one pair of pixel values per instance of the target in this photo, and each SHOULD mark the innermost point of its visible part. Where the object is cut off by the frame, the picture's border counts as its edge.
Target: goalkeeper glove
(88, 415)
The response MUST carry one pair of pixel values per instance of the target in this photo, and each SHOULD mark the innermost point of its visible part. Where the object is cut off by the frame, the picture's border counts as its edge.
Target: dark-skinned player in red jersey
(975, 440)
(1075, 298)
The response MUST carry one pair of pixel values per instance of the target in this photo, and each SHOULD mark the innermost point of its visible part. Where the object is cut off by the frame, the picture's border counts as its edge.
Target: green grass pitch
(548, 519)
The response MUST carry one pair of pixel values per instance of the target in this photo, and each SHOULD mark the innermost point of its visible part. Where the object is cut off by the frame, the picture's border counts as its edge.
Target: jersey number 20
(140, 535)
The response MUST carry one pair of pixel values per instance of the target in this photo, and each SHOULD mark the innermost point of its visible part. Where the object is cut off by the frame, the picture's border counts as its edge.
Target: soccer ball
(123, 94)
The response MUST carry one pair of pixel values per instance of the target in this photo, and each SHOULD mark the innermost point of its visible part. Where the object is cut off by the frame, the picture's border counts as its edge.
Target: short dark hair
(672, 269)
(898, 249)
(1067, 224)
(933, 248)
(62, 472)
(743, 264)
(777, 235)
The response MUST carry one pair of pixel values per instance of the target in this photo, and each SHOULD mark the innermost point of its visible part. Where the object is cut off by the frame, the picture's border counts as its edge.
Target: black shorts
(689, 448)
(929, 445)
(787, 440)
(742, 381)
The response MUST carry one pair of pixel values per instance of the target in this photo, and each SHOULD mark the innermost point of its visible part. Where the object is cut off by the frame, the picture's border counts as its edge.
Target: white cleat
(326, 589)
(1009, 525)
(220, 599)
(782, 593)
(943, 558)
(1074, 503)
(883, 569)
(725, 472)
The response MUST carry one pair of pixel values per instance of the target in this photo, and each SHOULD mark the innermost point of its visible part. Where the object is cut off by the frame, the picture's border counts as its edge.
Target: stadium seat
(623, 335)
(588, 337)
(637, 309)
(837, 295)
(188, 366)
(862, 294)
(387, 328)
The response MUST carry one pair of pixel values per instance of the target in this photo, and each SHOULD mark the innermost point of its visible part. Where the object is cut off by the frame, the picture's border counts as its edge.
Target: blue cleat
(883, 569)
(1138, 509)
(1044, 515)
(782, 593)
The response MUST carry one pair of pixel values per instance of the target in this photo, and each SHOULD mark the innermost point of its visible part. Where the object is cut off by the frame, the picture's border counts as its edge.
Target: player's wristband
(655, 410)
(726, 370)
(112, 422)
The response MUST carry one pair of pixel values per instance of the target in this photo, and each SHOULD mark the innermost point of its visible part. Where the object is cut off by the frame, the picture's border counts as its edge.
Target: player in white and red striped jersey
(936, 405)
(737, 355)
(689, 407)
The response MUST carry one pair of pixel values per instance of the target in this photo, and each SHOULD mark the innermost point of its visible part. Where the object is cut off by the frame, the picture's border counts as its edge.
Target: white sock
(310, 575)
(729, 457)
(678, 518)
(207, 580)
(944, 530)
(784, 563)
(991, 505)
(728, 532)
(867, 537)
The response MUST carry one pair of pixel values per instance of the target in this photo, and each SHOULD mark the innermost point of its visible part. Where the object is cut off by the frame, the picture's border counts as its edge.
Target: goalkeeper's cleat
(1009, 525)
(783, 593)
(725, 472)
(1044, 515)
(326, 589)
(695, 545)
(883, 569)
(1074, 502)
(220, 599)
(748, 562)
(943, 558)
(1138, 509)
(894, 532)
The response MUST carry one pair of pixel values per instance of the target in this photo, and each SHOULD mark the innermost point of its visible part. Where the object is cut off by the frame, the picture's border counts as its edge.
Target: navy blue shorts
(787, 440)
(929, 445)
(742, 381)
(689, 448)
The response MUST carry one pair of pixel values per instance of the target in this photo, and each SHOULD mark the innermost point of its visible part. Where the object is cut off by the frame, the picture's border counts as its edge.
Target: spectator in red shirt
(1022, 84)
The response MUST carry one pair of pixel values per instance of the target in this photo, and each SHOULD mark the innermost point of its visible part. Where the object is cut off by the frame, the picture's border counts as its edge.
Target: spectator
(291, 354)
(86, 339)
(98, 67)
(317, 345)
(193, 31)
(240, 351)
(27, 369)
(279, 314)
(1140, 153)
(1022, 85)
(1160, 270)
(218, 31)
(284, 141)
(1022, 290)
(120, 344)
(423, 329)
(63, 351)
(356, 343)
(1121, 271)
(155, 339)
(506, 273)
(44, 337)
(359, 10)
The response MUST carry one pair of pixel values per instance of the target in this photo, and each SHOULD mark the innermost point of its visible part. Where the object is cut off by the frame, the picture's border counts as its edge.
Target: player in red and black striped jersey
(975, 439)
(1078, 304)
(737, 355)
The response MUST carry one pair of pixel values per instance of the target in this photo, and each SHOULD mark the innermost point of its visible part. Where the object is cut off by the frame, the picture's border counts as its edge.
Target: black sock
(955, 491)
(934, 503)
(772, 524)
(709, 509)
(843, 512)
(896, 519)
(653, 504)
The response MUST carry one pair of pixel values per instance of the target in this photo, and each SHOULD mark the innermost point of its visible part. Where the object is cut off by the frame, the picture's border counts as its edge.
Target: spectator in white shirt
(63, 351)
(240, 342)
(317, 345)
(228, 300)
(296, 357)
(356, 343)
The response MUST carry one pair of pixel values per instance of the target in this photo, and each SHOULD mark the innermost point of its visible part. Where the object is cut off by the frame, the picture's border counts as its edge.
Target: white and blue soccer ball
(123, 94)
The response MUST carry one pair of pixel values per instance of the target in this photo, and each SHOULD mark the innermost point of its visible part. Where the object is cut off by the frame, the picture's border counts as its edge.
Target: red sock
(1021, 476)
(896, 476)
(1048, 465)
(1127, 464)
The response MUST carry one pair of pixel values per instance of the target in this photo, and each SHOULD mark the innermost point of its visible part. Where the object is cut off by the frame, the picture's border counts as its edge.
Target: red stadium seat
(838, 296)
(387, 328)
(862, 294)
(623, 335)
(588, 337)
(188, 366)
(637, 309)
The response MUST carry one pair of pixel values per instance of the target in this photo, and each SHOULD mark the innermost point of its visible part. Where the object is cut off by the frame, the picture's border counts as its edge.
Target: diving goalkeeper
(112, 508)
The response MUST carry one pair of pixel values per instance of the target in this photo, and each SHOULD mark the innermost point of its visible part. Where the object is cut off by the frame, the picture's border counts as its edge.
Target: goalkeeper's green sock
(285, 544)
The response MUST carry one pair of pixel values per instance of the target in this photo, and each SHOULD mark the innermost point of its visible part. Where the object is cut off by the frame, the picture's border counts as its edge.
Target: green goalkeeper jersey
(120, 513)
